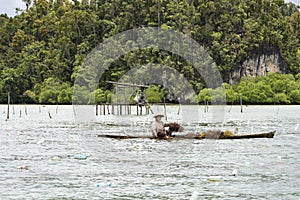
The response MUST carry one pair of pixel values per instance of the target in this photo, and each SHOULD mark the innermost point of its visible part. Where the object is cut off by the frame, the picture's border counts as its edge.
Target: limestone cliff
(260, 64)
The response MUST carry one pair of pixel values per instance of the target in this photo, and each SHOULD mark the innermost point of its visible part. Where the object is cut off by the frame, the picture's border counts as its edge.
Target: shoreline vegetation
(42, 47)
(273, 89)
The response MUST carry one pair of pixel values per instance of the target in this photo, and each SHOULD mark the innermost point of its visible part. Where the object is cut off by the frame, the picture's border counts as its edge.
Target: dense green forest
(271, 89)
(42, 47)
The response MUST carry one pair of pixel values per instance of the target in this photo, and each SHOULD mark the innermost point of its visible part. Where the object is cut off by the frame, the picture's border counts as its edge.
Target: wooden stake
(49, 114)
(165, 108)
(207, 106)
(241, 102)
(96, 109)
(25, 109)
(8, 102)
(74, 110)
(178, 111)
(108, 110)
(129, 109)
(20, 113)
(230, 107)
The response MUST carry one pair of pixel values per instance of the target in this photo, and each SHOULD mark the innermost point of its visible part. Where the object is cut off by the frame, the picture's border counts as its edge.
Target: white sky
(9, 6)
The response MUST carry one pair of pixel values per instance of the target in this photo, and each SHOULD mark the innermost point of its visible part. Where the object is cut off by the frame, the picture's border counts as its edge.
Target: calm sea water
(144, 168)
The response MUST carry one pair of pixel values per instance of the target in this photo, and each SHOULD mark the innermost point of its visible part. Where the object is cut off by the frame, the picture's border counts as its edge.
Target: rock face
(259, 65)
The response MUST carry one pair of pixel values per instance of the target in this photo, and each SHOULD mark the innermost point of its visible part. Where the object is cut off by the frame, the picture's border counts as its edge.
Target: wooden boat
(198, 136)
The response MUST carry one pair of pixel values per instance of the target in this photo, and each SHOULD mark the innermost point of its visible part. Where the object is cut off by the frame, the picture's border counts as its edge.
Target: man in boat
(158, 127)
(159, 131)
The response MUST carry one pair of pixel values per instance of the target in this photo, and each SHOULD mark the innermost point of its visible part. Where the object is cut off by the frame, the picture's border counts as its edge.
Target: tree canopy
(42, 47)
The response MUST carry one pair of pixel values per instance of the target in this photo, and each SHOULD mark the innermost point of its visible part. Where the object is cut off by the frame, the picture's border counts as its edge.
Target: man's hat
(158, 115)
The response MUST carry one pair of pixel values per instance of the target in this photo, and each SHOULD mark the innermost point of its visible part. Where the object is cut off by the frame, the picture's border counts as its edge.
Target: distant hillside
(41, 48)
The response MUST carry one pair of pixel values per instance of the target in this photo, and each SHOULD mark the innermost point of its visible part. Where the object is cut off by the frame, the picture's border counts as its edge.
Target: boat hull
(196, 136)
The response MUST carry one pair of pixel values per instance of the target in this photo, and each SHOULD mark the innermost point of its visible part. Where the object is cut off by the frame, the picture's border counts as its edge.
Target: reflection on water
(148, 169)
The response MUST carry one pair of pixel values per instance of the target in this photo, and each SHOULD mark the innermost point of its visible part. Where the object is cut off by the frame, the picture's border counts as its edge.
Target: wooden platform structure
(123, 109)
(121, 104)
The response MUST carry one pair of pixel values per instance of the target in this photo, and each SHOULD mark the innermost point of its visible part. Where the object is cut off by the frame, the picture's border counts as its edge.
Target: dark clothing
(161, 135)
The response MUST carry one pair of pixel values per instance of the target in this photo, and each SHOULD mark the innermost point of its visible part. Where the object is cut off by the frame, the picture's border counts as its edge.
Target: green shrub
(154, 94)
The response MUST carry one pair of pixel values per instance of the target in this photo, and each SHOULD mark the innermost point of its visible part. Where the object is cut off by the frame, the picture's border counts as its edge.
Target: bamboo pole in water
(8, 102)
(147, 109)
(74, 111)
(26, 110)
(165, 108)
(230, 107)
(108, 110)
(178, 111)
(49, 114)
(241, 102)
(207, 106)
(141, 110)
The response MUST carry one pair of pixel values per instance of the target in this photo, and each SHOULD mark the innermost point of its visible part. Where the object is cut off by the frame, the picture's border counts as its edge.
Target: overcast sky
(9, 6)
